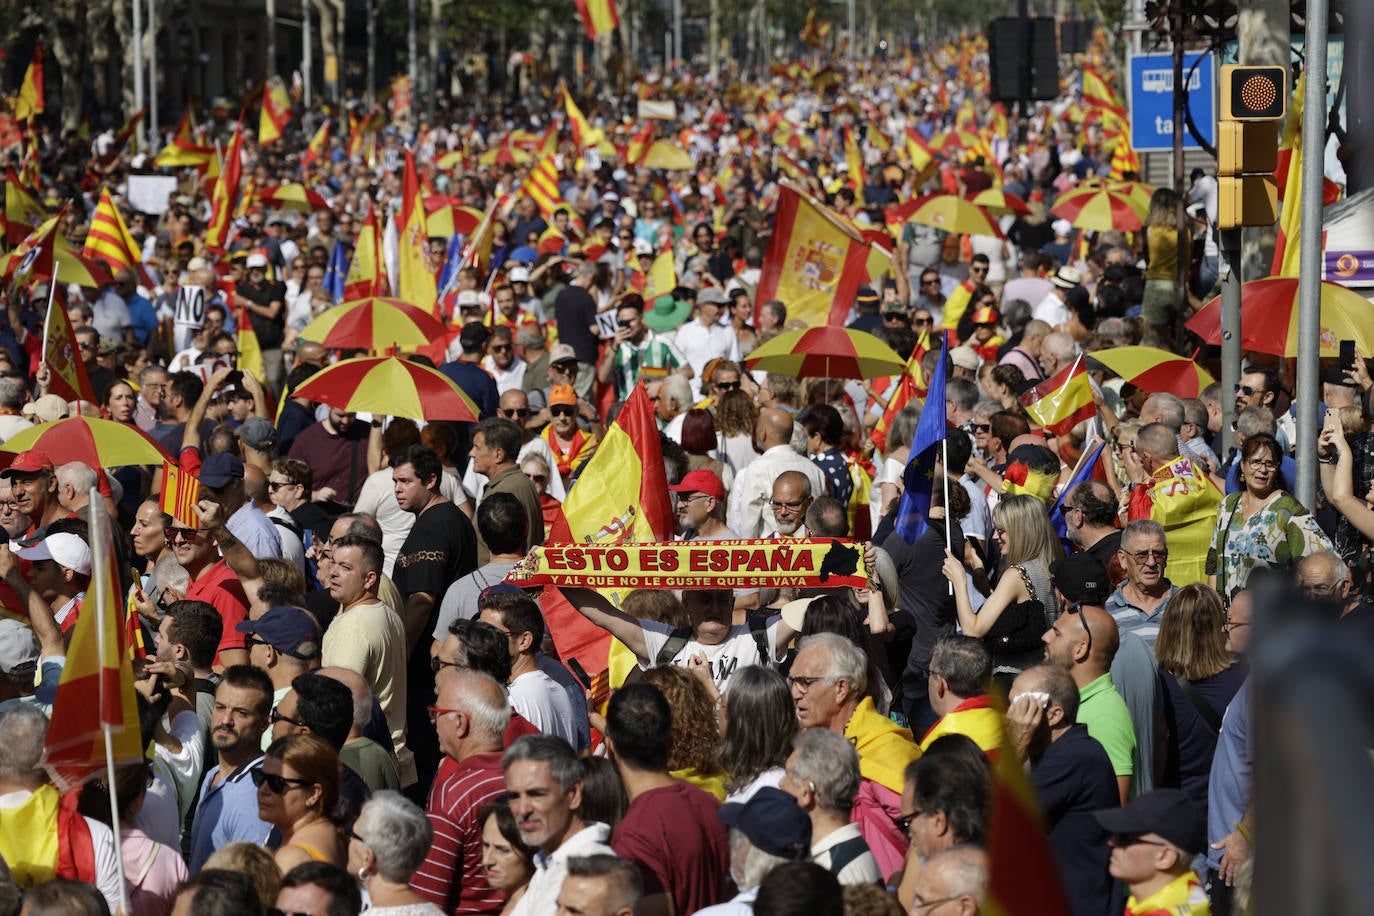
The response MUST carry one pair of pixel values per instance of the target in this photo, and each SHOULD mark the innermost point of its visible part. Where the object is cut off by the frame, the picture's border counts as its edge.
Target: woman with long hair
(757, 720)
(1022, 604)
(736, 414)
(699, 439)
(507, 863)
(387, 843)
(1164, 246)
(1199, 678)
(298, 785)
(695, 754)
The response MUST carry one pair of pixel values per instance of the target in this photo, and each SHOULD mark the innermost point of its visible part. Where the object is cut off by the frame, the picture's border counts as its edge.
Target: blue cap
(219, 469)
(289, 630)
(773, 821)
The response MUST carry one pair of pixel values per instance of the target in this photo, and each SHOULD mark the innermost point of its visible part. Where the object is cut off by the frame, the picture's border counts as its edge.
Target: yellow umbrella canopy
(391, 386)
(375, 323)
(827, 352)
(953, 213)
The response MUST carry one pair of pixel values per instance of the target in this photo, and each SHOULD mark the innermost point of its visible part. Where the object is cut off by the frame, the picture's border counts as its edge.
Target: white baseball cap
(64, 548)
(519, 275)
(256, 259)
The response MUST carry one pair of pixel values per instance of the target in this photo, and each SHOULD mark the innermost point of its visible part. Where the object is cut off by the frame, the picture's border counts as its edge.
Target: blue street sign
(1152, 100)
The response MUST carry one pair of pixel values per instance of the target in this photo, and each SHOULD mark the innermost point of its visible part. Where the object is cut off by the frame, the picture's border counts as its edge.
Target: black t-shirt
(1106, 548)
(270, 331)
(441, 548)
(923, 592)
(575, 312)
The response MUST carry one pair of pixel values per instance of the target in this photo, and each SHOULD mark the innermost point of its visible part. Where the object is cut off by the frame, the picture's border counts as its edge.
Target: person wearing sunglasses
(298, 785)
(1153, 842)
(1083, 641)
(571, 446)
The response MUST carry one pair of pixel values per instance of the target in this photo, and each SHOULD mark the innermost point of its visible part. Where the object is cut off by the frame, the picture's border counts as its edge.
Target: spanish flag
(661, 278)
(415, 279)
(639, 144)
(95, 709)
(29, 102)
(908, 388)
(276, 111)
(318, 145)
(1289, 173)
(1064, 400)
(23, 211)
(250, 351)
(367, 274)
(854, 160)
(584, 135)
(67, 372)
(109, 240)
(180, 493)
(620, 496)
(225, 195)
(598, 17)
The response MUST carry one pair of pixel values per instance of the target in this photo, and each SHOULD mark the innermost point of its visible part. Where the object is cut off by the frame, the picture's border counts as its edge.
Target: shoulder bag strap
(1209, 715)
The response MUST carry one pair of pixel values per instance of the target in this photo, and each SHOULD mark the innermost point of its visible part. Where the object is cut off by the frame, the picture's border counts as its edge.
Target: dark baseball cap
(1168, 813)
(289, 630)
(1081, 578)
(773, 821)
(219, 469)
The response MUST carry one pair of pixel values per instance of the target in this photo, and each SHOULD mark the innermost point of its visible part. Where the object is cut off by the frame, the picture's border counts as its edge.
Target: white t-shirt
(1052, 310)
(542, 701)
(738, 650)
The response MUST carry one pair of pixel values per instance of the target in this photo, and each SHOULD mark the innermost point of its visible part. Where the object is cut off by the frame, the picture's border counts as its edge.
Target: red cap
(701, 481)
(31, 462)
(986, 315)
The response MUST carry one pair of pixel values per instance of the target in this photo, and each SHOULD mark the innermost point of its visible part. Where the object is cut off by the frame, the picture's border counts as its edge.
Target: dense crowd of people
(344, 702)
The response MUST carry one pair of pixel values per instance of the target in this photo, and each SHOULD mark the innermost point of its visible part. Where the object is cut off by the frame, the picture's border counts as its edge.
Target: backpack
(758, 628)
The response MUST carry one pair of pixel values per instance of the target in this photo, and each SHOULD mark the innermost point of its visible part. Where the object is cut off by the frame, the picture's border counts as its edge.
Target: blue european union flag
(453, 259)
(1084, 473)
(336, 274)
(919, 476)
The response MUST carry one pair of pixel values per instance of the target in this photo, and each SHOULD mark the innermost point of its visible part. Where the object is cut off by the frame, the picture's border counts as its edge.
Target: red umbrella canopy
(389, 386)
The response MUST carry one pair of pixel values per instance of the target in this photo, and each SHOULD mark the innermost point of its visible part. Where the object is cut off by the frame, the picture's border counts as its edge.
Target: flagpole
(99, 570)
(949, 519)
(47, 317)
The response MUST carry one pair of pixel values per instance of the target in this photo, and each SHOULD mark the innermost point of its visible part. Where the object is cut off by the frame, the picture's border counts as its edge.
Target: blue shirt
(142, 318)
(1232, 778)
(477, 383)
(1131, 619)
(832, 464)
(226, 812)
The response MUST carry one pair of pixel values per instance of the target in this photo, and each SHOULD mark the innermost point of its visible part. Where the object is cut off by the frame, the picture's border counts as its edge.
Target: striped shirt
(652, 359)
(1132, 619)
(452, 877)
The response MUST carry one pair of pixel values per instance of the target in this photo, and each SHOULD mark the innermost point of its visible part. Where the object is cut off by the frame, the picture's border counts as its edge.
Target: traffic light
(1253, 100)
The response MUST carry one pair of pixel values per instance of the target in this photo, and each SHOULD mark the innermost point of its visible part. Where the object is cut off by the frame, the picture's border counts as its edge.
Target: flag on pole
(33, 258)
(584, 135)
(67, 371)
(366, 275)
(29, 102)
(1086, 471)
(814, 34)
(95, 696)
(23, 211)
(336, 273)
(816, 261)
(854, 162)
(1289, 174)
(661, 278)
(226, 193)
(110, 240)
(415, 278)
(180, 493)
(919, 477)
(124, 135)
(276, 111)
(318, 144)
(1063, 400)
(598, 17)
(908, 387)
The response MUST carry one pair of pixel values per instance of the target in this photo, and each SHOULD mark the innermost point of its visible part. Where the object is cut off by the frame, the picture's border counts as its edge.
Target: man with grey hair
(601, 885)
(12, 422)
(822, 774)
(829, 682)
(1169, 410)
(29, 801)
(956, 878)
(674, 399)
(1025, 353)
(1057, 351)
(1138, 603)
(1324, 576)
(74, 482)
(961, 397)
(373, 763)
(766, 831)
(531, 346)
(544, 789)
(470, 716)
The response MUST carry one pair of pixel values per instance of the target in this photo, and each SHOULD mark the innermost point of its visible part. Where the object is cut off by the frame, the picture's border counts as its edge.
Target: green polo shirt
(1108, 720)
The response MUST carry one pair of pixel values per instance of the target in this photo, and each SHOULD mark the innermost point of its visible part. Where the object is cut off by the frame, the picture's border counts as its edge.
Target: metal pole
(413, 66)
(1180, 217)
(271, 11)
(1230, 245)
(136, 57)
(153, 80)
(1310, 255)
(371, 53)
(677, 30)
(852, 43)
(306, 63)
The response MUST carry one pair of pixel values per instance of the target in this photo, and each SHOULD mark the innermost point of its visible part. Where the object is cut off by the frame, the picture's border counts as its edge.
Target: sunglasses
(186, 534)
(438, 664)
(922, 321)
(1246, 390)
(981, 427)
(276, 784)
(277, 716)
(500, 348)
(1077, 608)
(515, 411)
(562, 410)
(727, 386)
(538, 478)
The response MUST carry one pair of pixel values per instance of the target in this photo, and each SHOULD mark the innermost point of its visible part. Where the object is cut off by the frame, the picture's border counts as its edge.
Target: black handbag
(1020, 627)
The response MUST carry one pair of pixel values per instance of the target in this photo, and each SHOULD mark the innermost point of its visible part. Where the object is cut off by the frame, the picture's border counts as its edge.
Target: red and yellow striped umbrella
(953, 213)
(1269, 318)
(292, 197)
(93, 442)
(998, 201)
(827, 353)
(389, 386)
(374, 323)
(955, 140)
(1101, 210)
(1155, 370)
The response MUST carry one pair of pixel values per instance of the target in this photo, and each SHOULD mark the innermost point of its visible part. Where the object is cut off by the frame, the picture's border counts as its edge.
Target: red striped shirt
(451, 877)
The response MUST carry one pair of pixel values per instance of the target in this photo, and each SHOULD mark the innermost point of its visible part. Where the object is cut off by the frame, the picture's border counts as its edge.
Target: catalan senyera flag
(366, 275)
(1023, 874)
(67, 371)
(661, 278)
(317, 145)
(415, 279)
(29, 102)
(584, 135)
(598, 17)
(110, 240)
(96, 693)
(225, 195)
(1063, 400)
(180, 493)
(23, 211)
(621, 496)
(542, 186)
(276, 111)
(816, 261)
(1124, 157)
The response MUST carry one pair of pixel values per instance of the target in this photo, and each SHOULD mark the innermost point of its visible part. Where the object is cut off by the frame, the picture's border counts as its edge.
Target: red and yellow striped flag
(29, 102)
(23, 211)
(598, 17)
(180, 493)
(1063, 400)
(276, 111)
(584, 135)
(109, 240)
(226, 193)
(95, 707)
(317, 145)
(1287, 251)
(416, 283)
(367, 273)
